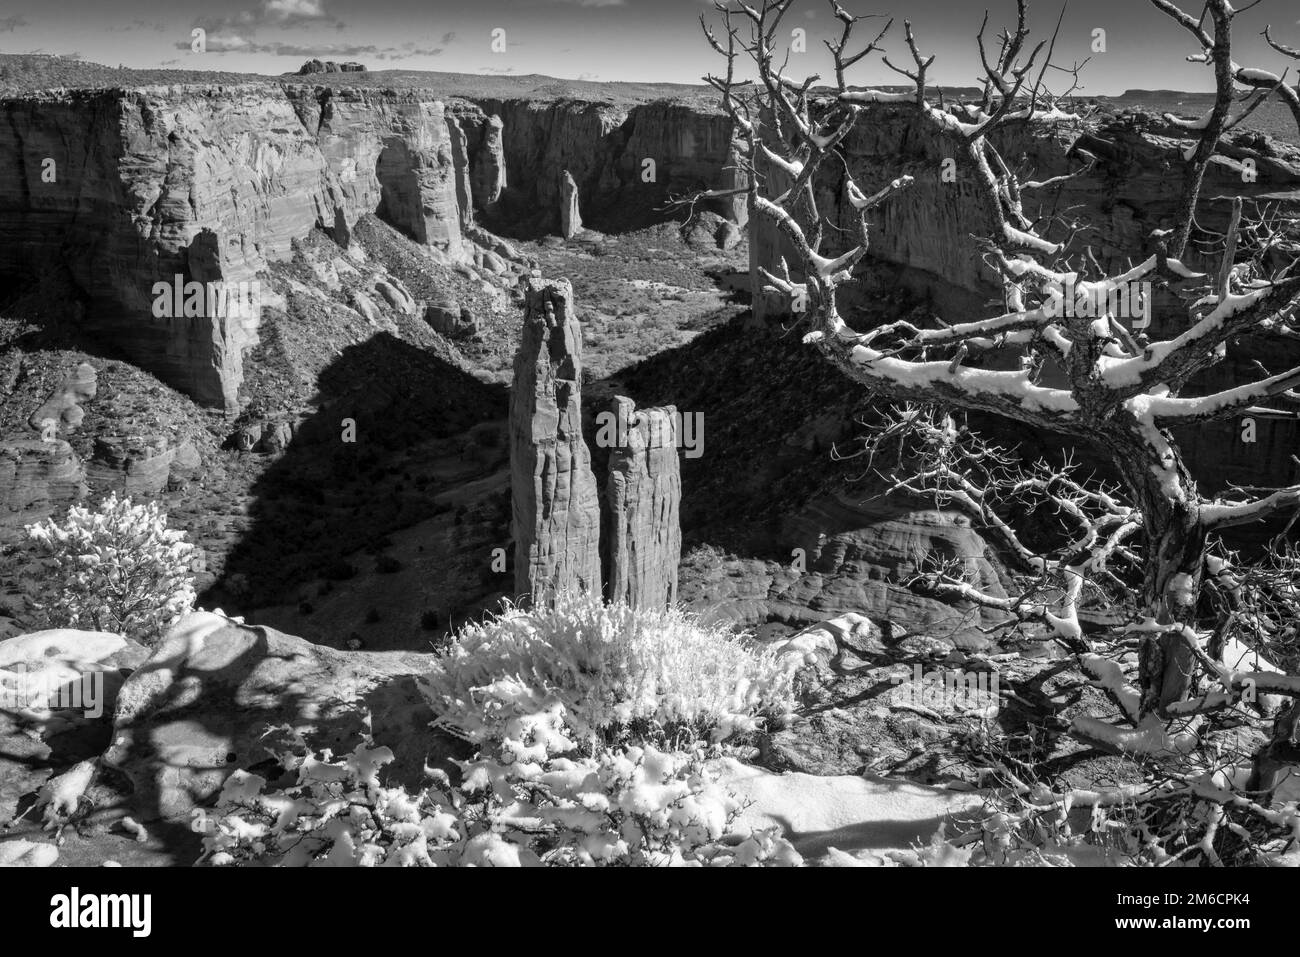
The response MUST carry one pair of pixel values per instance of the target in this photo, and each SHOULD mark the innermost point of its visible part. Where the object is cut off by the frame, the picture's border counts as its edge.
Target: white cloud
(294, 11)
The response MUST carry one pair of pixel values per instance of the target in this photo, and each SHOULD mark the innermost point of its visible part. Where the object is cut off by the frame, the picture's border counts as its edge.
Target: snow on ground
(20, 853)
(663, 288)
(62, 644)
(852, 814)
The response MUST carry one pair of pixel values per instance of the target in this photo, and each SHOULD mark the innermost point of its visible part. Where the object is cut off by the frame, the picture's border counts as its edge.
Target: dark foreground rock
(218, 695)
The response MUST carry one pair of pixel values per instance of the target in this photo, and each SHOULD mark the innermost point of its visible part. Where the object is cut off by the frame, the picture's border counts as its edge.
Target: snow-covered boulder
(22, 853)
(817, 644)
(56, 678)
(62, 644)
(218, 695)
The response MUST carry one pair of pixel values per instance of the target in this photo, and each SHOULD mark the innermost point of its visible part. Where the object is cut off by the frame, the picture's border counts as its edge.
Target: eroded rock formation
(643, 490)
(461, 169)
(140, 464)
(489, 177)
(37, 477)
(208, 184)
(570, 215)
(63, 407)
(389, 151)
(555, 502)
(628, 161)
(330, 66)
(853, 556)
(448, 317)
(211, 183)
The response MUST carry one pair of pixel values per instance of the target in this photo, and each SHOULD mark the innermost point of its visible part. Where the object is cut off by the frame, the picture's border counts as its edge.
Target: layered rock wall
(37, 477)
(625, 162)
(127, 188)
(489, 167)
(1131, 190)
(391, 151)
(124, 189)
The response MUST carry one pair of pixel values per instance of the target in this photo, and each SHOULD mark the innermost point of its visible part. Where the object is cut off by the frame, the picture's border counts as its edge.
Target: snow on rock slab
(57, 678)
(219, 695)
(21, 853)
(821, 642)
(61, 684)
(849, 813)
(812, 646)
(64, 644)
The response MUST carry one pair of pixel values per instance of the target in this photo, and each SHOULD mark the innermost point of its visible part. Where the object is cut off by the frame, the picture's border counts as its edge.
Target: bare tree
(1114, 391)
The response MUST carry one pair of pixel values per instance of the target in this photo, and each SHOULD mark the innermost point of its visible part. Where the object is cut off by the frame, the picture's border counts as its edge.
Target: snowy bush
(629, 807)
(570, 706)
(115, 568)
(612, 673)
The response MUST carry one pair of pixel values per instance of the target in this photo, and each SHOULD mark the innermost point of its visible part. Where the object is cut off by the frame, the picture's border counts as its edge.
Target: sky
(634, 40)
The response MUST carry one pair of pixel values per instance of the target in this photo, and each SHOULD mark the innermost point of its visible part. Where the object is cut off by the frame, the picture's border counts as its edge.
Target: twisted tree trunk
(1176, 540)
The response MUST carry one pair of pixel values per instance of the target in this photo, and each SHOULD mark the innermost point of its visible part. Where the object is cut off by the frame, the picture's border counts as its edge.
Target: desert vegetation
(117, 568)
(1085, 371)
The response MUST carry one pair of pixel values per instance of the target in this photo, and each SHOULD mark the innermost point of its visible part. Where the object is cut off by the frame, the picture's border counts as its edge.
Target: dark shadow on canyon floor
(393, 433)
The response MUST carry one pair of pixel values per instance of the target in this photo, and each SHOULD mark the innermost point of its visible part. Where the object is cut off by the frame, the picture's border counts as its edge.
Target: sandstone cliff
(391, 152)
(151, 184)
(461, 171)
(126, 188)
(626, 162)
(212, 183)
(330, 66)
(643, 490)
(1131, 190)
(555, 503)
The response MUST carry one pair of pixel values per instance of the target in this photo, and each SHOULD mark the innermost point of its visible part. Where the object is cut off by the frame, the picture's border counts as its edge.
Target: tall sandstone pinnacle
(643, 492)
(570, 216)
(555, 501)
(463, 175)
(489, 170)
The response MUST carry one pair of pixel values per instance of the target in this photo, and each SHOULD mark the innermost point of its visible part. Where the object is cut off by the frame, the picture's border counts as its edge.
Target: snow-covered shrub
(115, 568)
(629, 807)
(615, 674)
